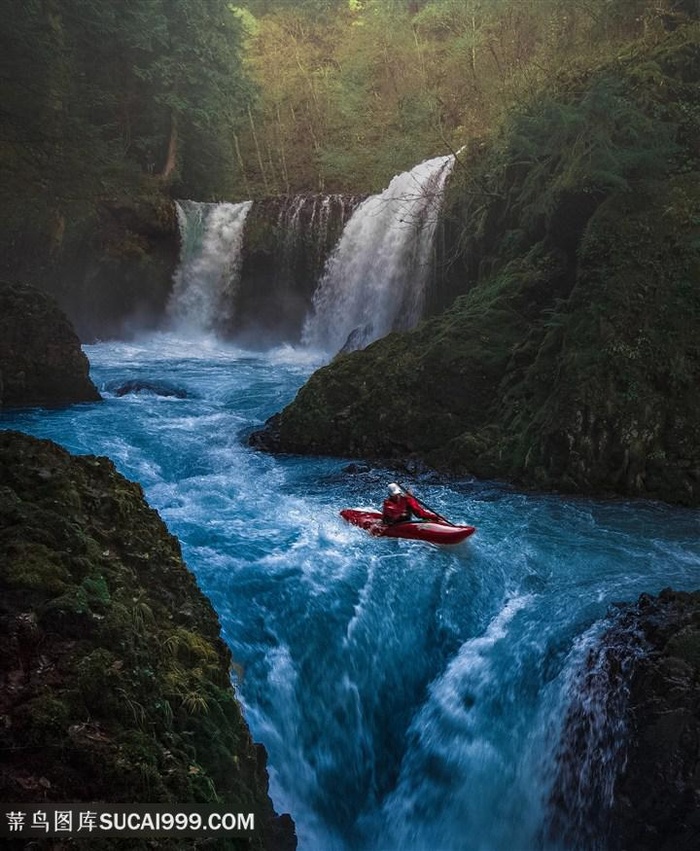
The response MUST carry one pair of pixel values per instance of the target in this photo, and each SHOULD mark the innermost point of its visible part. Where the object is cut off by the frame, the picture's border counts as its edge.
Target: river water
(410, 696)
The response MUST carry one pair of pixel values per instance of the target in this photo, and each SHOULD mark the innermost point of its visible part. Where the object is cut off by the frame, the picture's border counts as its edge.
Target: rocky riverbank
(115, 680)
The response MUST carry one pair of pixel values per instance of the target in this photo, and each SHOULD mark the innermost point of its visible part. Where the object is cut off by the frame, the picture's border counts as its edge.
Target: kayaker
(401, 505)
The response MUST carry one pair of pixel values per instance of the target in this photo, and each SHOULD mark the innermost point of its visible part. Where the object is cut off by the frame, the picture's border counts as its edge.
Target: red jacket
(402, 507)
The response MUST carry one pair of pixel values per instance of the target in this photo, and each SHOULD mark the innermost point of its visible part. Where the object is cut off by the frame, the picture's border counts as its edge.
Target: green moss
(44, 720)
(36, 566)
(122, 688)
(96, 591)
(98, 679)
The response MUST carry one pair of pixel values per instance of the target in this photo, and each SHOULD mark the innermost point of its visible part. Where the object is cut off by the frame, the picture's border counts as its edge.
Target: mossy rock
(41, 362)
(119, 683)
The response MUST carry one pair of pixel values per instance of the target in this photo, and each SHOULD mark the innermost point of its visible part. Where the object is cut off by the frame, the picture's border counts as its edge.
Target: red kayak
(416, 530)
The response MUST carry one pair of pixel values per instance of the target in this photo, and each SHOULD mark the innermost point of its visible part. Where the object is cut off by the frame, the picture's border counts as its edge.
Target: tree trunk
(171, 159)
(263, 174)
(242, 165)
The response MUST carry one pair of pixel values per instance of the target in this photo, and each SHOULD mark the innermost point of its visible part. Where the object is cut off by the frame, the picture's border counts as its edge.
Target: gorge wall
(109, 264)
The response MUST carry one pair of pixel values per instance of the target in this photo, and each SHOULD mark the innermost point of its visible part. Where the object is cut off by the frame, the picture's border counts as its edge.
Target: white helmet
(394, 489)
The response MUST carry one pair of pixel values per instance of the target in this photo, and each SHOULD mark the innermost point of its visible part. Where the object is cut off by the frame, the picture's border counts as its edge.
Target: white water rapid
(375, 280)
(211, 236)
(411, 697)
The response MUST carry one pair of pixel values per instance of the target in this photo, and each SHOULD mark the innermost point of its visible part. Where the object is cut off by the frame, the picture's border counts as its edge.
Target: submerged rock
(143, 385)
(41, 362)
(115, 680)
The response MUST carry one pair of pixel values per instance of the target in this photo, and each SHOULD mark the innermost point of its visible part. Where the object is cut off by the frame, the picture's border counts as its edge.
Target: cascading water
(307, 219)
(373, 283)
(260, 289)
(211, 236)
(592, 750)
(375, 280)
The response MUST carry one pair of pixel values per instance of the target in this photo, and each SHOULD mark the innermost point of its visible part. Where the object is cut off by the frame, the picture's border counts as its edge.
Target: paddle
(427, 507)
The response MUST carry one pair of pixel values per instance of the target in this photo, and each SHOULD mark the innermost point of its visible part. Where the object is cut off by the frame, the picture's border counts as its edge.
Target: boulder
(41, 362)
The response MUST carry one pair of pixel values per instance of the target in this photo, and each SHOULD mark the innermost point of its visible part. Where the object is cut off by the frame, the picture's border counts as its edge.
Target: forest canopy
(350, 92)
(93, 90)
(212, 100)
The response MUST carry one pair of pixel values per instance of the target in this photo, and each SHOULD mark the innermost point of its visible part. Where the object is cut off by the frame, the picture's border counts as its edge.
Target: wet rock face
(287, 242)
(41, 362)
(115, 279)
(115, 682)
(657, 797)
(628, 769)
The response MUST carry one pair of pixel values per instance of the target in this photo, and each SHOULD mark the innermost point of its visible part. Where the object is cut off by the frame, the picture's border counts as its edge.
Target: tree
(193, 77)
(100, 88)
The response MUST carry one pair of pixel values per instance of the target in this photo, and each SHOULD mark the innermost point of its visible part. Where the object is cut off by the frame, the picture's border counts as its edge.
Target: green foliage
(36, 566)
(351, 95)
(101, 98)
(592, 144)
(44, 718)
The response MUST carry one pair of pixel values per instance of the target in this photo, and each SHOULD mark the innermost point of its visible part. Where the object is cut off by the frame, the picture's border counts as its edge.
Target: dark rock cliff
(287, 242)
(41, 362)
(114, 275)
(572, 361)
(629, 764)
(109, 262)
(114, 680)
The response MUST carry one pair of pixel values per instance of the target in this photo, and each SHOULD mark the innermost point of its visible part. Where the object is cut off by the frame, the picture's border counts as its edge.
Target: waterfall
(312, 220)
(210, 258)
(283, 285)
(592, 751)
(375, 280)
